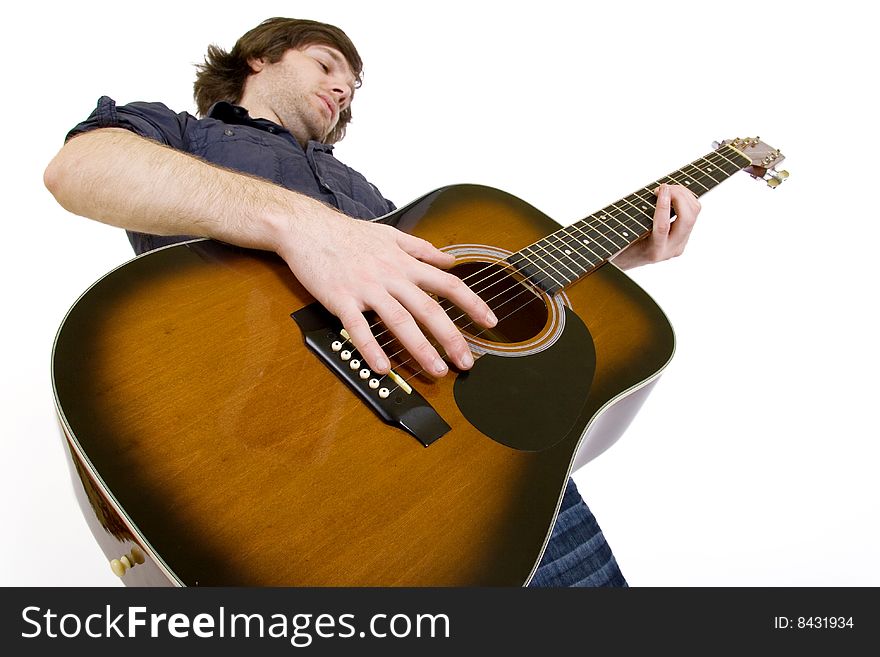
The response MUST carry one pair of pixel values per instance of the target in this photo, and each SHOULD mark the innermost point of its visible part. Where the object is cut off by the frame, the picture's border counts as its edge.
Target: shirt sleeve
(151, 120)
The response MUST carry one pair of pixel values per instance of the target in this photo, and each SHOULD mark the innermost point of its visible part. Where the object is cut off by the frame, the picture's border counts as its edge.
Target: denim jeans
(577, 553)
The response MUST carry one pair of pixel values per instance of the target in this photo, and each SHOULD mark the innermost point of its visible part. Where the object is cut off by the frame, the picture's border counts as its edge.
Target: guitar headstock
(764, 159)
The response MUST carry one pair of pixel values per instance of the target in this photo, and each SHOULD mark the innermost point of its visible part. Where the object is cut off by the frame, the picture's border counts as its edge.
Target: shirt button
(228, 132)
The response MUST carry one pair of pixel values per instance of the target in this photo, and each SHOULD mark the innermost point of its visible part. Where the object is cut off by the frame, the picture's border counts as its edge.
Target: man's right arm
(350, 266)
(122, 179)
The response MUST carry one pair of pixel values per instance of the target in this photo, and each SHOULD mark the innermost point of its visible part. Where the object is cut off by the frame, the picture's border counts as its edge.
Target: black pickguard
(531, 402)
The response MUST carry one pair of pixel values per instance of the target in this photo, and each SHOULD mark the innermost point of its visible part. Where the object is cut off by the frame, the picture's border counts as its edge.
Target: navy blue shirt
(229, 137)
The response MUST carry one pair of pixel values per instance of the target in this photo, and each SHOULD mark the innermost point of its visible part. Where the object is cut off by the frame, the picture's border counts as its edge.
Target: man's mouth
(329, 104)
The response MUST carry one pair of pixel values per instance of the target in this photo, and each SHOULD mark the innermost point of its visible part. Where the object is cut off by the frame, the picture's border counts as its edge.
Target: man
(257, 171)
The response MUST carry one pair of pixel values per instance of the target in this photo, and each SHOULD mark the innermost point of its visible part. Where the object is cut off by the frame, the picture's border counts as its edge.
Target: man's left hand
(668, 238)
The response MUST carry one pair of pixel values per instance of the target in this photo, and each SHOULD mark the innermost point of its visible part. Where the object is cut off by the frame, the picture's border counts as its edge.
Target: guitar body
(207, 433)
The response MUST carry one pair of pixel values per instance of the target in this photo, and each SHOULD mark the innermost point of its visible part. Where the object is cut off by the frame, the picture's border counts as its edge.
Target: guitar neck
(569, 254)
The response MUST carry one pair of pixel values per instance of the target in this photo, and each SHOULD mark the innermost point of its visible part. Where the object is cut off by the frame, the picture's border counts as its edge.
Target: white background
(754, 461)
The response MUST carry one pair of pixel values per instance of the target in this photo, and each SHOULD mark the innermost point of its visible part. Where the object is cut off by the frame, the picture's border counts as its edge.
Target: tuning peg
(775, 178)
(716, 145)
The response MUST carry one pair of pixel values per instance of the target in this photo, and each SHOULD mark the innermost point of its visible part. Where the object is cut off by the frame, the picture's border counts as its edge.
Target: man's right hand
(351, 266)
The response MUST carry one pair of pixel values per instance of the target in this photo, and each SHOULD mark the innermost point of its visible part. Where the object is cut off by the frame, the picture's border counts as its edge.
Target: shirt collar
(225, 111)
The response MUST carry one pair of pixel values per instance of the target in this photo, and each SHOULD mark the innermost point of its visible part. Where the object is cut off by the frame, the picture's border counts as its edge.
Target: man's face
(306, 89)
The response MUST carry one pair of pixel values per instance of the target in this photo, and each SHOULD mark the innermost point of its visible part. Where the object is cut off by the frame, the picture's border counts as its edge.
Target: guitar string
(523, 289)
(702, 175)
(647, 188)
(568, 230)
(699, 179)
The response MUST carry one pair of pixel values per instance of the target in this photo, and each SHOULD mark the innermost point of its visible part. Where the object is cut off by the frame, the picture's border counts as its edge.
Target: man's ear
(257, 64)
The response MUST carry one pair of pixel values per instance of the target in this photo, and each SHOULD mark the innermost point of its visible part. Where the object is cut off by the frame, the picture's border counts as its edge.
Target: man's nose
(342, 91)
(343, 95)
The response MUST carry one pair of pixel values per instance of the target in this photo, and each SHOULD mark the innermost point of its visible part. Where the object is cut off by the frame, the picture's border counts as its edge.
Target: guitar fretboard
(571, 253)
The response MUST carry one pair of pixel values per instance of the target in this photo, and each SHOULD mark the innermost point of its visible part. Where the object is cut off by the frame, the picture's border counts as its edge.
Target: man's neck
(258, 110)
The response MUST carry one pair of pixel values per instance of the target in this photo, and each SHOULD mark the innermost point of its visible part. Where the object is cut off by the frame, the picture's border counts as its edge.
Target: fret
(538, 256)
(550, 252)
(552, 265)
(727, 160)
(568, 256)
(645, 195)
(694, 181)
(686, 181)
(730, 161)
(534, 273)
(593, 233)
(570, 253)
(575, 249)
(690, 177)
(630, 227)
(595, 250)
(641, 207)
(606, 221)
(708, 171)
(641, 223)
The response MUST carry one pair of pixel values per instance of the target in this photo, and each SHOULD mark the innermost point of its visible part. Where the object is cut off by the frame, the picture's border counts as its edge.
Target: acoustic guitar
(222, 430)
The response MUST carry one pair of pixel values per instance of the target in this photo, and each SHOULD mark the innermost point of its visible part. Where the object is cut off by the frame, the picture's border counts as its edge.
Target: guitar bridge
(390, 397)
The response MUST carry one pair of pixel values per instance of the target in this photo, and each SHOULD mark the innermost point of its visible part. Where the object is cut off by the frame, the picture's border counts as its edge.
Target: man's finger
(425, 251)
(458, 292)
(686, 205)
(363, 339)
(399, 321)
(662, 211)
(437, 322)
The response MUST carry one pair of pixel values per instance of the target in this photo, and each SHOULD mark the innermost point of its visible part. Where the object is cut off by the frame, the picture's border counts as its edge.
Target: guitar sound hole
(520, 311)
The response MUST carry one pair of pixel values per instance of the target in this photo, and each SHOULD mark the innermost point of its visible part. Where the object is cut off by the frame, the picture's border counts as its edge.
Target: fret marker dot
(587, 242)
(625, 234)
(687, 182)
(644, 207)
(567, 252)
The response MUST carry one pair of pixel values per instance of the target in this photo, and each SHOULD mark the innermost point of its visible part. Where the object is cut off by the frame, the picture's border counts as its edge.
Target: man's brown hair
(223, 74)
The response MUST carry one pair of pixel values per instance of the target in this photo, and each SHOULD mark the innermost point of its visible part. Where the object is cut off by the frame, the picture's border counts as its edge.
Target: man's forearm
(349, 266)
(116, 177)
